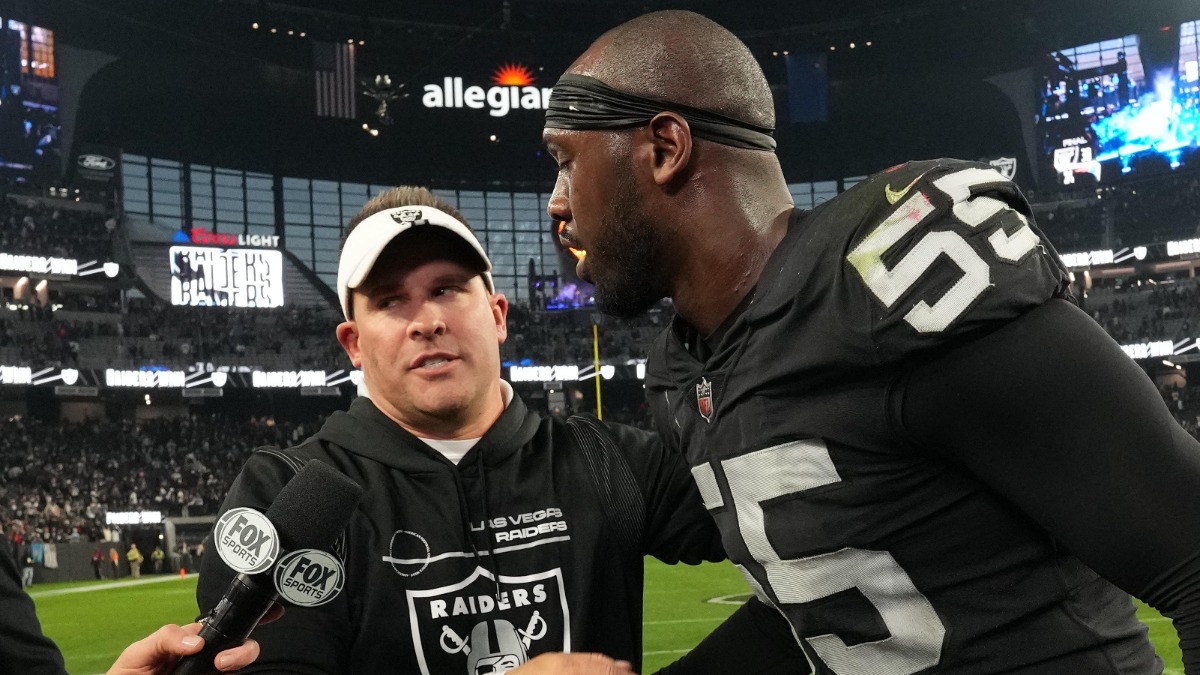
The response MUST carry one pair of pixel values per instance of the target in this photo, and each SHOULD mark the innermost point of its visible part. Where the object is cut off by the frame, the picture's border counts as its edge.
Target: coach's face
(427, 333)
(597, 197)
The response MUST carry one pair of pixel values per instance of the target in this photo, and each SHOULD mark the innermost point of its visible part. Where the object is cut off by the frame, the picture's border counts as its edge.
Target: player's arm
(305, 640)
(677, 527)
(754, 640)
(1051, 414)
(23, 646)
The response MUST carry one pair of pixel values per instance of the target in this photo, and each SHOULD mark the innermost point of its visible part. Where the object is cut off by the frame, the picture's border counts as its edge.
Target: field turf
(93, 621)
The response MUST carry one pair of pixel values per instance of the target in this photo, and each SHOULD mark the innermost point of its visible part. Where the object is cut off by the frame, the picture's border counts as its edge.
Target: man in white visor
(487, 529)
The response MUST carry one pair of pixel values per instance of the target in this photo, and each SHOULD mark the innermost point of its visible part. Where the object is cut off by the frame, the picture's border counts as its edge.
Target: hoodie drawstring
(487, 557)
(492, 564)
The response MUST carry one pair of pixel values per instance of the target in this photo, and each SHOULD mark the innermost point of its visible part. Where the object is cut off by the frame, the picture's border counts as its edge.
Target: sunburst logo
(513, 75)
(578, 253)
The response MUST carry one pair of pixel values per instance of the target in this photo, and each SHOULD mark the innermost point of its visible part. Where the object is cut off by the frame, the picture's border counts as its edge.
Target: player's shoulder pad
(944, 247)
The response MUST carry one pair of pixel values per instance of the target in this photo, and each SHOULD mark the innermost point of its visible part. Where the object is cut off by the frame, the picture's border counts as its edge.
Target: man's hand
(162, 649)
(574, 664)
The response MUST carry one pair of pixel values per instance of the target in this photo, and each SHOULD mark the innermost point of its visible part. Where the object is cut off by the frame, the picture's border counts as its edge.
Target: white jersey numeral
(888, 285)
(916, 632)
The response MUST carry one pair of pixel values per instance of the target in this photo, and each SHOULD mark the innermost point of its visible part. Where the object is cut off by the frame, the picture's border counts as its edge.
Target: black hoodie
(23, 647)
(517, 550)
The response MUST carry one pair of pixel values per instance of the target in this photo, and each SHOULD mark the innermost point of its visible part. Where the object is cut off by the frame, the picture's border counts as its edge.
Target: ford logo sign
(96, 162)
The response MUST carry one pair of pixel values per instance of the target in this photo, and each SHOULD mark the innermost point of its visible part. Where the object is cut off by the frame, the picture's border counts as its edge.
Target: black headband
(584, 103)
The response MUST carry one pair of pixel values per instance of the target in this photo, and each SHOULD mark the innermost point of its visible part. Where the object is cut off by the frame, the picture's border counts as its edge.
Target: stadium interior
(175, 180)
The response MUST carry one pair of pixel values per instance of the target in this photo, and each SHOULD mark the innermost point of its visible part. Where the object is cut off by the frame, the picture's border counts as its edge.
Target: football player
(922, 455)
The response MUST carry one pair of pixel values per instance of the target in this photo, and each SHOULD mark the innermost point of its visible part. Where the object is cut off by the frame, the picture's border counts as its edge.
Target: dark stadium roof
(196, 80)
(993, 34)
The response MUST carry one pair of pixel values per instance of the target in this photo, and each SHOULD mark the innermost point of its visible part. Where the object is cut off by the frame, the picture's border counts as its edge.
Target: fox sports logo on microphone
(309, 577)
(246, 540)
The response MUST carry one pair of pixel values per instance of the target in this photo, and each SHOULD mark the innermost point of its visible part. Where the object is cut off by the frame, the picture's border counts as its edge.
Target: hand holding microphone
(305, 518)
(158, 652)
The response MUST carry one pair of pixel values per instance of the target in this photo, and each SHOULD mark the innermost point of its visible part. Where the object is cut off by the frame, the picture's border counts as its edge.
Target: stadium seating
(59, 480)
(32, 225)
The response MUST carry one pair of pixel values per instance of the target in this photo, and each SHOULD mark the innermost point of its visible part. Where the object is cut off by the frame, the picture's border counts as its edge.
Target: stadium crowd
(1147, 312)
(1134, 214)
(30, 226)
(566, 336)
(99, 333)
(58, 480)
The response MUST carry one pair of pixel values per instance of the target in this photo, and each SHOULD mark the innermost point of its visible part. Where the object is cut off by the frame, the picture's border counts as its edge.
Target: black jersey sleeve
(754, 640)
(306, 640)
(23, 646)
(1052, 415)
(677, 527)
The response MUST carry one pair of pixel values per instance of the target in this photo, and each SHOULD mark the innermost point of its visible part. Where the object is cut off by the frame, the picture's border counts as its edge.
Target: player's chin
(624, 300)
(442, 401)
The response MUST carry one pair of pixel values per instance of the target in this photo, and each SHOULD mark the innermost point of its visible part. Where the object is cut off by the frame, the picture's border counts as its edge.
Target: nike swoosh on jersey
(894, 196)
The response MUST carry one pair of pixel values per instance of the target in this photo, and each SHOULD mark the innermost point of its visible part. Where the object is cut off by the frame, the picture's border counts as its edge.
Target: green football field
(93, 621)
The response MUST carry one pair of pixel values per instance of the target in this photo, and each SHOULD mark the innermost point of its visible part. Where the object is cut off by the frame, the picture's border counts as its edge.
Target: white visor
(373, 234)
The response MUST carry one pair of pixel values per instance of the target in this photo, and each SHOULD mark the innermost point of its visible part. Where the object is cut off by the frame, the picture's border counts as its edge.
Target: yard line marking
(666, 651)
(732, 599)
(105, 587)
(709, 619)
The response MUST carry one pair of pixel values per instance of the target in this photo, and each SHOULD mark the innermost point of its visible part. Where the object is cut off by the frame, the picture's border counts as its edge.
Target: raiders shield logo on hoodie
(484, 624)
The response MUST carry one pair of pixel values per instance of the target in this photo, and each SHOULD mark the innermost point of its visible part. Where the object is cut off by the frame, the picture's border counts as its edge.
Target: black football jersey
(884, 557)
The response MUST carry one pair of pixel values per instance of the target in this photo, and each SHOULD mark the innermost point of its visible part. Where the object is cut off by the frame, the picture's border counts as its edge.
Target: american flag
(333, 66)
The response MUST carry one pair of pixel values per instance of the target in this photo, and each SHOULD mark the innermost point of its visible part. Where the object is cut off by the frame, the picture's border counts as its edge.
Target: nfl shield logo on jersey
(704, 399)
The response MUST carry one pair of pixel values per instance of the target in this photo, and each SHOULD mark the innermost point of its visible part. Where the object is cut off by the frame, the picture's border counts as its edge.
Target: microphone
(306, 516)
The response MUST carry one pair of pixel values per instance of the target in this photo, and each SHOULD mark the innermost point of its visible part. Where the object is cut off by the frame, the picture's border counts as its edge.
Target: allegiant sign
(513, 90)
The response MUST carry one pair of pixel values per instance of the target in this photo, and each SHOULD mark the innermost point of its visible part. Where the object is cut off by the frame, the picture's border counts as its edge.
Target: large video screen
(1121, 107)
(226, 277)
(29, 123)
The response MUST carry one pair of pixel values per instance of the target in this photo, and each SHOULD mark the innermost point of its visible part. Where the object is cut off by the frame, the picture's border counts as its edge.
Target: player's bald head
(682, 57)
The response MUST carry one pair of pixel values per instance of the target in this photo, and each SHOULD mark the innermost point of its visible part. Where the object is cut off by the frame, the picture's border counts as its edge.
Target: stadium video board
(29, 118)
(226, 277)
(1126, 106)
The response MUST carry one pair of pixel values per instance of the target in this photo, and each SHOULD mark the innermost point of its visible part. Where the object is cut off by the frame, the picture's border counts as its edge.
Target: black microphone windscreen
(313, 507)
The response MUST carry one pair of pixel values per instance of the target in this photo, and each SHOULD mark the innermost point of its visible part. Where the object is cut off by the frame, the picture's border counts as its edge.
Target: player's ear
(347, 336)
(671, 144)
(500, 313)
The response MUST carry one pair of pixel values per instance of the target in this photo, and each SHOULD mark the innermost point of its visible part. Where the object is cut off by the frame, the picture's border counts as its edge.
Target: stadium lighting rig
(385, 93)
